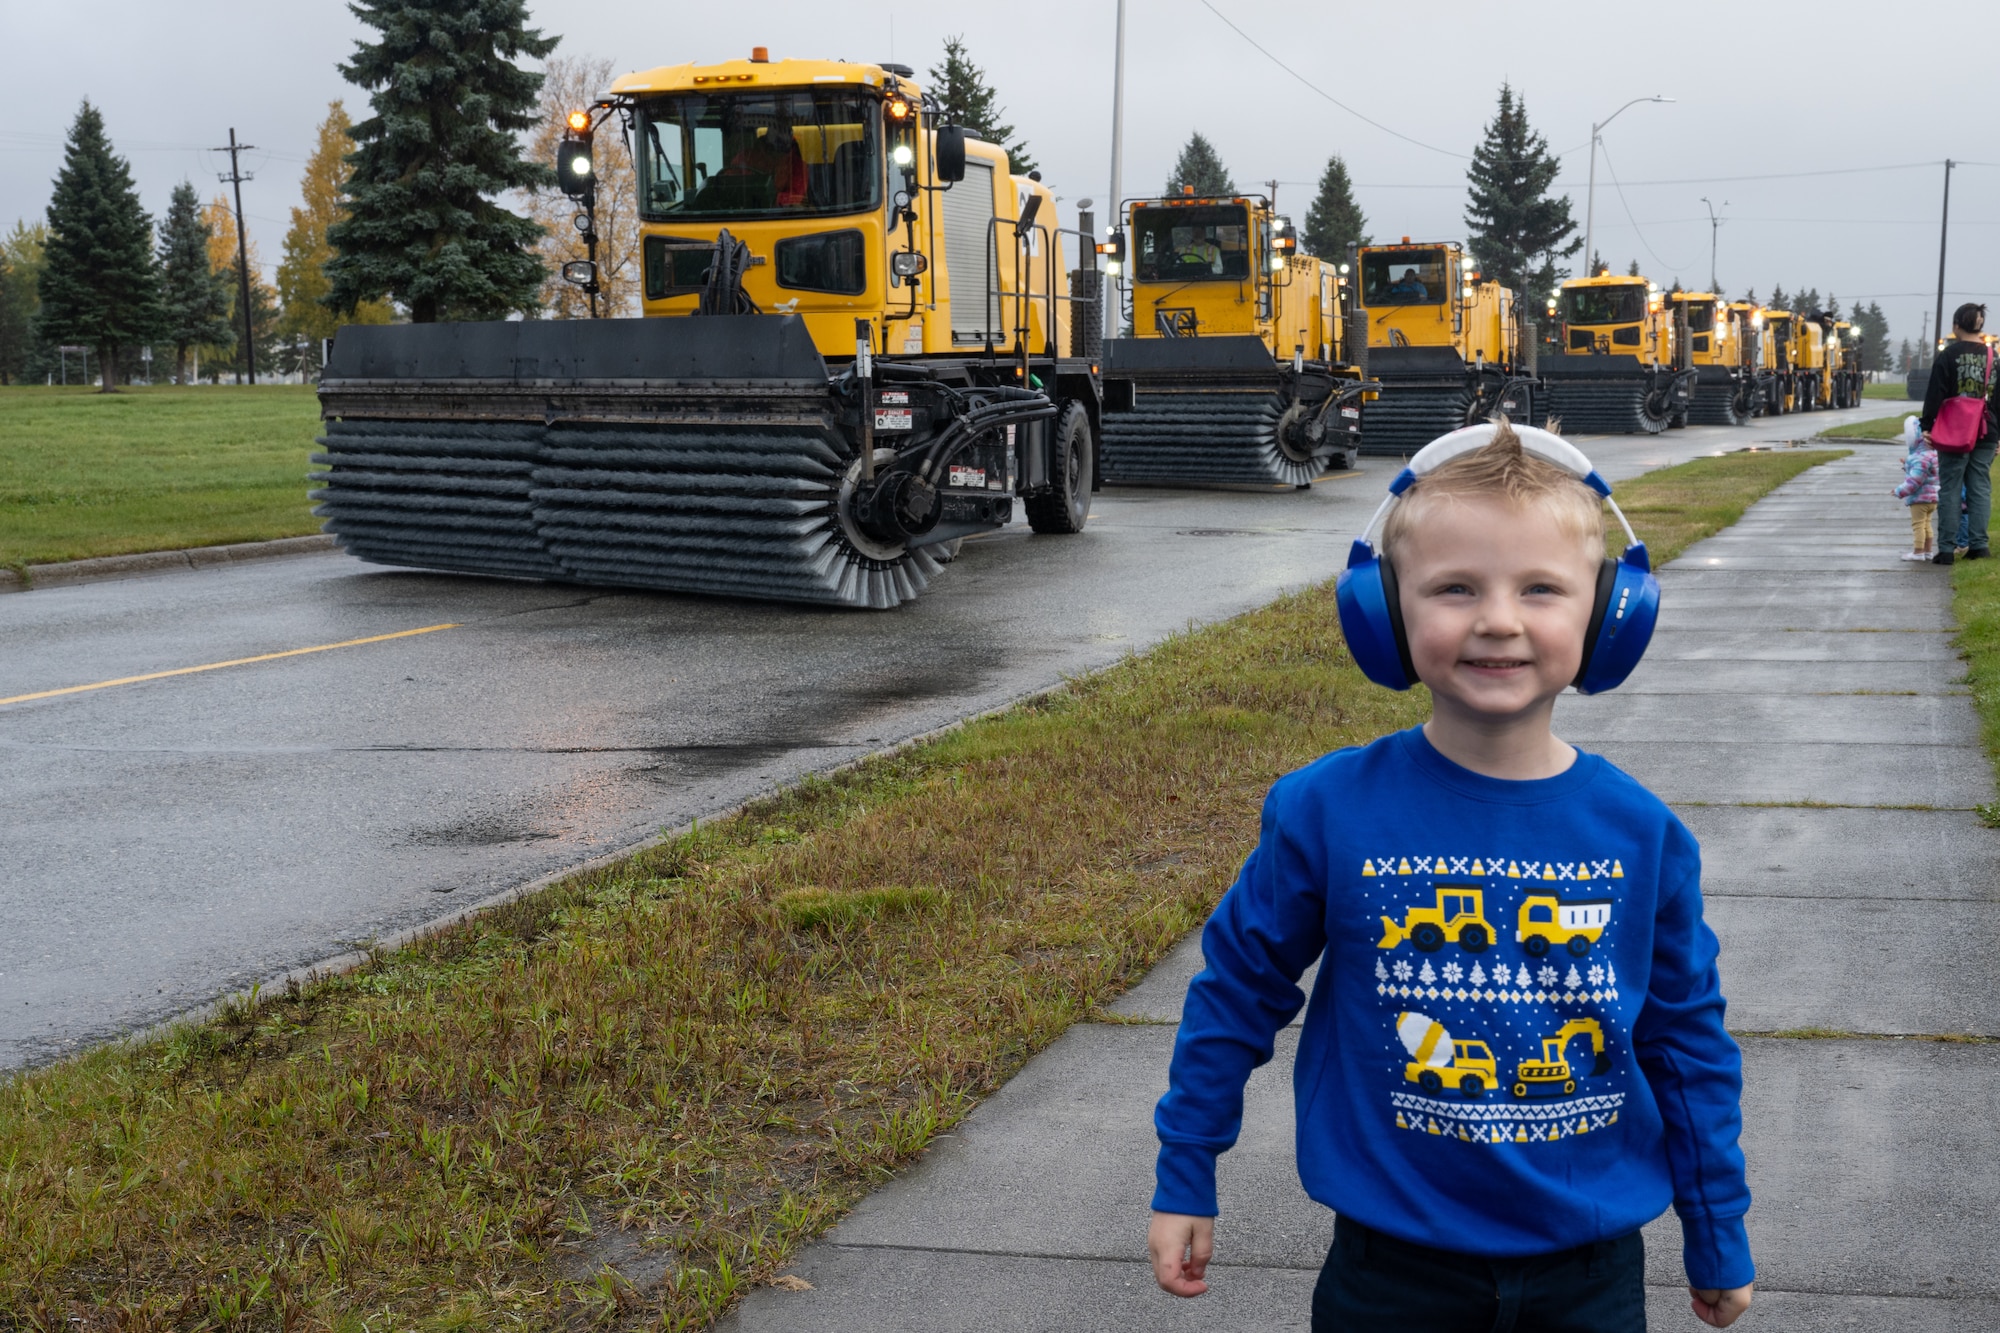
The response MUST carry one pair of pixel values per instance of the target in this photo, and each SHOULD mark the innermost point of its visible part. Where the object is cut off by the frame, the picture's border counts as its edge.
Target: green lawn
(1880, 428)
(705, 1052)
(151, 469)
(1887, 389)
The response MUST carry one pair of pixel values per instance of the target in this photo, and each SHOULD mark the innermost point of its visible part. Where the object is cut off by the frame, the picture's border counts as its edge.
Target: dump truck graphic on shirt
(1510, 1036)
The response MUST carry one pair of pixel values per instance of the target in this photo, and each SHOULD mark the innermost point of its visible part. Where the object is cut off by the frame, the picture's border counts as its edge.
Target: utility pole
(1714, 225)
(1944, 230)
(1274, 197)
(1112, 306)
(236, 178)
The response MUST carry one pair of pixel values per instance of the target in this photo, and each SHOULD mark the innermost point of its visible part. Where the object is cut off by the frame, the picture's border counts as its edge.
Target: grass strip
(1875, 428)
(1675, 507)
(685, 1065)
(1975, 604)
(151, 469)
(1887, 389)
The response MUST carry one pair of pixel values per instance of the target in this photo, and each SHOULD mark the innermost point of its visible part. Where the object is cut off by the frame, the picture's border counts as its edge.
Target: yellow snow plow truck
(1236, 366)
(1616, 371)
(1545, 921)
(1445, 344)
(1725, 383)
(854, 352)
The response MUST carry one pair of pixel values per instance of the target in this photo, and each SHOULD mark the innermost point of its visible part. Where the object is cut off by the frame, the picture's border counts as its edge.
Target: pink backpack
(1962, 419)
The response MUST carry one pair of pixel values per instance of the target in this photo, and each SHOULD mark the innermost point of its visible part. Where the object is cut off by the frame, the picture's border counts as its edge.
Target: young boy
(1514, 1055)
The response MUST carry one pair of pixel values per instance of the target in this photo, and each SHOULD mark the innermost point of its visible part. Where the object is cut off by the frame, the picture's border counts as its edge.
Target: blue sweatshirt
(1515, 1043)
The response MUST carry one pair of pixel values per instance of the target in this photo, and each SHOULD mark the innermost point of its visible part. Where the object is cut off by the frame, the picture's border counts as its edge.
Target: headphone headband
(1545, 445)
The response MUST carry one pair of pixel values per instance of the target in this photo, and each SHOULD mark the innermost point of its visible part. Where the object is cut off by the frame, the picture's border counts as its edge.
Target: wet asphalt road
(167, 841)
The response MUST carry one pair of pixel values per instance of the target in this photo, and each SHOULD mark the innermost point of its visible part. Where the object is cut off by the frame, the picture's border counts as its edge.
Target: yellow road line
(217, 666)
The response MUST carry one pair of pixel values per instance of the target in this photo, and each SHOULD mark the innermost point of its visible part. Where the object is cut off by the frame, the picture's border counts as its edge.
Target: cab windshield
(1624, 304)
(779, 153)
(1199, 244)
(1701, 316)
(1406, 277)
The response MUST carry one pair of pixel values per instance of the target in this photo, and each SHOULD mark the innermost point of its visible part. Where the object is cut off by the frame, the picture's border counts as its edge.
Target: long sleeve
(1944, 383)
(1267, 930)
(1696, 1072)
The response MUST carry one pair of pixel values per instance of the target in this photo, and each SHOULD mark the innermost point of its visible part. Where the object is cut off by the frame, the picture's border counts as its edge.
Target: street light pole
(1944, 230)
(1590, 204)
(1117, 209)
(1714, 224)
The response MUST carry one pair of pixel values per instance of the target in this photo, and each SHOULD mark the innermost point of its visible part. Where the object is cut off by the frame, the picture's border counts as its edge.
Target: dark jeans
(1372, 1282)
(1973, 472)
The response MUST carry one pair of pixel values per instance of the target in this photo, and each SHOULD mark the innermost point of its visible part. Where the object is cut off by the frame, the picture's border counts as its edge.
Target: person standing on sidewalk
(1965, 369)
(1919, 490)
(1526, 1061)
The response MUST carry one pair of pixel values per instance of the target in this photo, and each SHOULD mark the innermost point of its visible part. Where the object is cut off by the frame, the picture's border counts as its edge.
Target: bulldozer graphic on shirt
(1459, 918)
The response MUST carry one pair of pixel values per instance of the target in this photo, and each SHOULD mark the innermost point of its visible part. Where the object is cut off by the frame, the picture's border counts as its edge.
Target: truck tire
(1473, 939)
(1519, 1089)
(1428, 937)
(1064, 505)
(1473, 1086)
(1430, 1081)
(1579, 945)
(1536, 945)
(1569, 1086)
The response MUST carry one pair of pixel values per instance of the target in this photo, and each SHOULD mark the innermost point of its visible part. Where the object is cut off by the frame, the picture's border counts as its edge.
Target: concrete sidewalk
(1801, 708)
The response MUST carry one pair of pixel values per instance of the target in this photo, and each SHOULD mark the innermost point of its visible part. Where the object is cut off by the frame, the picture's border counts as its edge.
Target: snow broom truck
(1615, 372)
(1725, 383)
(1235, 369)
(1445, 345)
(853, 354)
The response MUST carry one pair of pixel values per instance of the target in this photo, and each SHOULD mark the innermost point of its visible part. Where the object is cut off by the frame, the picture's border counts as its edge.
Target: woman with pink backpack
(1961, 419)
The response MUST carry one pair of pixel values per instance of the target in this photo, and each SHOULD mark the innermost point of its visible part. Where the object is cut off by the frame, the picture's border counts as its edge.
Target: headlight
(902, 156)
(908, 263)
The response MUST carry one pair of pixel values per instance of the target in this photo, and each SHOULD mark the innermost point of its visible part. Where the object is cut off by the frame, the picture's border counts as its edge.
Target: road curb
(70, 572)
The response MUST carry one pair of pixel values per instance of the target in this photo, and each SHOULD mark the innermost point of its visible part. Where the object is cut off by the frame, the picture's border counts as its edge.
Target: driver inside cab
(774, 156)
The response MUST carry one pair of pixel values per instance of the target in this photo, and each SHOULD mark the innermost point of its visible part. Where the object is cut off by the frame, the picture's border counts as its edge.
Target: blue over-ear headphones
(1628, 593)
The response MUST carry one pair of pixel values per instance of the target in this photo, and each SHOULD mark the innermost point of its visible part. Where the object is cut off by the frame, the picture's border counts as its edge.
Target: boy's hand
(1181, 1246)
(1716, 1308)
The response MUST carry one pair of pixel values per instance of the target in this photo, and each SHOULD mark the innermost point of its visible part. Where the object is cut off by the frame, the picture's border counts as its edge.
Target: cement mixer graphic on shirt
(1437, 1062)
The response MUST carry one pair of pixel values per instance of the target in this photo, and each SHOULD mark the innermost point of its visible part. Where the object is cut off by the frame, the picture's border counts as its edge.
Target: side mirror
(1028, 211)
(950, 153)
(574, 171)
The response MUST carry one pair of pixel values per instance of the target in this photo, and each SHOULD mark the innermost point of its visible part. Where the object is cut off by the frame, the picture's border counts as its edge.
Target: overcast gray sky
(1767, 93)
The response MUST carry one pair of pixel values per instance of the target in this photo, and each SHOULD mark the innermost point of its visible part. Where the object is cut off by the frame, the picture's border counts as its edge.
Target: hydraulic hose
(724, 294)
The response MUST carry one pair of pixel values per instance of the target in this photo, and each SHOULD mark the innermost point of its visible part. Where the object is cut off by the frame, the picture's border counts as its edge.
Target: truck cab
(1611, 316)
(1430, 295)
(1221, 266)
(830, 173)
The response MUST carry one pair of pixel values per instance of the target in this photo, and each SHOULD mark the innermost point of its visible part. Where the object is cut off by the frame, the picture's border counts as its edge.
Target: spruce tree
(1200, 166)
(98, 285)
(450, 100)
(968, 100)
(1632, 269)
(1778, 301)
(193, 297)
(1597, 265)
(1334, 219)
(1517, 228)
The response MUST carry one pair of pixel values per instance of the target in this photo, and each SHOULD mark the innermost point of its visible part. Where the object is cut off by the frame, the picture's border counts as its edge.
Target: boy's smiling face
(1496, 600)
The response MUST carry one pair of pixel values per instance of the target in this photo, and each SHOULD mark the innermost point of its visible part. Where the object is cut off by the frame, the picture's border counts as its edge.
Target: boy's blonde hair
(1505, 470)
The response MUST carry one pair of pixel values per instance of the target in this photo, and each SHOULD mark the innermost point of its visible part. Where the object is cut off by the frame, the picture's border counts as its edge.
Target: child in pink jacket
(1919, 490)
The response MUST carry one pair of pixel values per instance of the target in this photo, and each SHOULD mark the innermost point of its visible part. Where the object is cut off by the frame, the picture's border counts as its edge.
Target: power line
(1628, 216)
(1266, 53)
